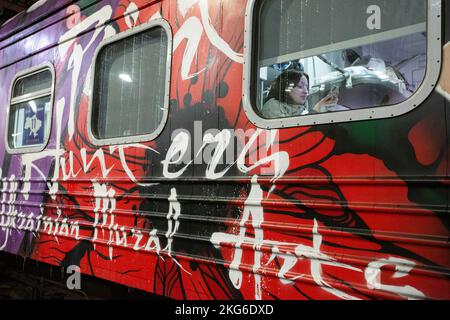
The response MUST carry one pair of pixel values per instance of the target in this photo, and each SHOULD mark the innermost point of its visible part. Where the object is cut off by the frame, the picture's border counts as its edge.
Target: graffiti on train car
(281, 230)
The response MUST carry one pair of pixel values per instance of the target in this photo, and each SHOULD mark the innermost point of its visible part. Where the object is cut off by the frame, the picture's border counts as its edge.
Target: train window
(365, 59)
(131, 85)
(30, 108)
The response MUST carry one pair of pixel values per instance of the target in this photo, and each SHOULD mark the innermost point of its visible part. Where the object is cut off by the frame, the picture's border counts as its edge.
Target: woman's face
(299, 93)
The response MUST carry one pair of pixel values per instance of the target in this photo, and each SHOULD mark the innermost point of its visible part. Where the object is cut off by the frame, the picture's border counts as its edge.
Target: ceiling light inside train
(125, 77)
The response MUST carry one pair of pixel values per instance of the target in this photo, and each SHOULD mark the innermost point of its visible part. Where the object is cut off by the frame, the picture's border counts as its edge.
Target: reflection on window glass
(30, 110)
(354, 58)
(33, 83)
(129, 86)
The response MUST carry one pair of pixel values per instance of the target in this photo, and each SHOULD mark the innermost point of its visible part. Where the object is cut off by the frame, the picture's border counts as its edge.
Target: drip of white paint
(172, 218)
(252, 210)
(173, 215)
(5, 218)
(105, 203)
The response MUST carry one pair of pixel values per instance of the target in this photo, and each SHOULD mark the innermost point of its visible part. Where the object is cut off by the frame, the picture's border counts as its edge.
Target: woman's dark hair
(288, 79)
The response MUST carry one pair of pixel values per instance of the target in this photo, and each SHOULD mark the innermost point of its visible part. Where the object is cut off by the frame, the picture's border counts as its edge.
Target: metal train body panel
(353, 210)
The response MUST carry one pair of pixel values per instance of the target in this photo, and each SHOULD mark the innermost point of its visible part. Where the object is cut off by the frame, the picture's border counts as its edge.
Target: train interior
(376, 74)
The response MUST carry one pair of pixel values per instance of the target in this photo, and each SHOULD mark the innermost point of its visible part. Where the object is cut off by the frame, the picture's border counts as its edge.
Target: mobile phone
(334, 90)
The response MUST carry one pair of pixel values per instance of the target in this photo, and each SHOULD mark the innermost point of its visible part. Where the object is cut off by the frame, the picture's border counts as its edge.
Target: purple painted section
(31, 51)
(31, 41)
(27, 19)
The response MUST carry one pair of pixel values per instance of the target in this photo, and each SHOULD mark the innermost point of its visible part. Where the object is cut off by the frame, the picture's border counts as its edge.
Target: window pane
(130, 85)
(292, 26)
(29, 123)
(362, 54)
(36, 82)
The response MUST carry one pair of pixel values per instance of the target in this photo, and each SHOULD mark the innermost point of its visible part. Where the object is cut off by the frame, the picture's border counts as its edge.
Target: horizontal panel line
(384, 208)
(294, 230)
(418, 270)
(248, 179)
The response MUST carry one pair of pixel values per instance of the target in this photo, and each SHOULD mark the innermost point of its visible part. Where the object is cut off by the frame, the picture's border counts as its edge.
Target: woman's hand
(329, 100)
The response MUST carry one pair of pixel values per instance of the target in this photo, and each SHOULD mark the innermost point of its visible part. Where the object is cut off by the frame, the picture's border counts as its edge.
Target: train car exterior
(143, 142)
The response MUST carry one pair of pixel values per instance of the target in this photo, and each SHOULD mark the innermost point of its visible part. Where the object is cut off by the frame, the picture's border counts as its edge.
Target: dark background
(9, 8)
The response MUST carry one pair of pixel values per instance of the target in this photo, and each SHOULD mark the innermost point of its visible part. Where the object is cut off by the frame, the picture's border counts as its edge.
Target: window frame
(160, 22)
(27, 97)
(433, 67)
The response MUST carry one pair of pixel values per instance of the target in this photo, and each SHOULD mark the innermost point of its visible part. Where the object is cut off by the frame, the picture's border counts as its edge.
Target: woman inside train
(288, 97)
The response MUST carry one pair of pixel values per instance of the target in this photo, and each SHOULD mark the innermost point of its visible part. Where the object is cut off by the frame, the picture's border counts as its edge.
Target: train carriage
(244, 149)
